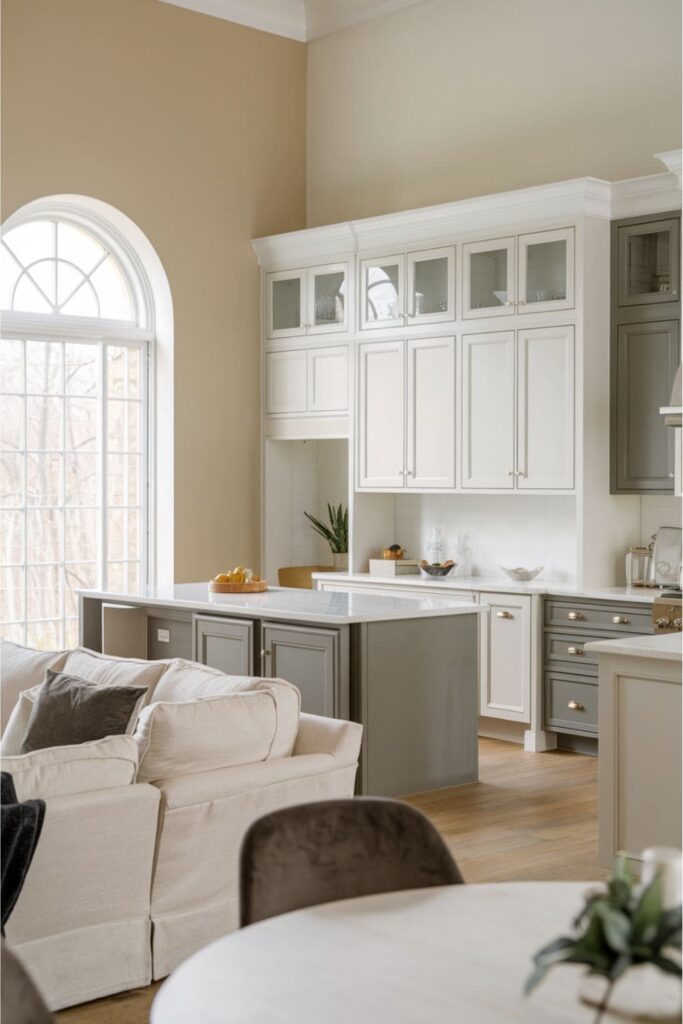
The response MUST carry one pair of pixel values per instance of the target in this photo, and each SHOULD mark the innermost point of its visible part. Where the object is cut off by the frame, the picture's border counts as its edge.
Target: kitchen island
(406, 668)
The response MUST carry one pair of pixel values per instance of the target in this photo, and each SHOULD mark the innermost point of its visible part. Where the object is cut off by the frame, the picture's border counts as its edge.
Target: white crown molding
(281, 17)
(672, 160)
(502, 214)
(322, 24)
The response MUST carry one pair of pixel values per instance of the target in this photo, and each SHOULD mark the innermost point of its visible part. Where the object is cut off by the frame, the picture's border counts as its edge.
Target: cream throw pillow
(22, 668)
(79, 768)
(109, 671)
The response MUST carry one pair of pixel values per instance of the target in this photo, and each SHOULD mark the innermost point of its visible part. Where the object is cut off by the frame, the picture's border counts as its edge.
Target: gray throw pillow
(70, 710)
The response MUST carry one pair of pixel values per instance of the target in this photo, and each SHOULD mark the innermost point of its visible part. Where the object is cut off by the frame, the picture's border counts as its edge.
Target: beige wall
(456, 98)
(194, 128)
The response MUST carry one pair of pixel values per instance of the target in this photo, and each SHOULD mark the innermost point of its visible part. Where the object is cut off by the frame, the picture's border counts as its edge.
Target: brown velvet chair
(336, 849)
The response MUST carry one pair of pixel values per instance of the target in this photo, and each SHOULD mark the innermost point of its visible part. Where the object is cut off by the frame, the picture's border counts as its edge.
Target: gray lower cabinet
(309, 657)
(647, 356)
(225, 644)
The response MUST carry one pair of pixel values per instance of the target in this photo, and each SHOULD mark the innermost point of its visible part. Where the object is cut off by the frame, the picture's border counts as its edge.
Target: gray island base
(405, 668)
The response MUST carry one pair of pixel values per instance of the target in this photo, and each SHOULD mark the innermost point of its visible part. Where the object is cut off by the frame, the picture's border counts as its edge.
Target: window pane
(44, 535)
(82, 424)
(11, 480)
(78, 577)
(43, 592)
(43, 273)
(134, 577)
(82, 369)
(12, 595)
(12, 537)
(11, 367)
(124, 371)
(80, 534)
(116, 577)
(9, 272)
(123, 479)
(43, 367)
(15, 633)
(45, 636)
(82, 303)
(123, 534)
(30, 240)
(28, 298)
(11, 422)
(43, 423)
(68, 280)
(81, 485)
(43, 479)
(71, 633)
(112, 292)
(123, 426)
(78, 247)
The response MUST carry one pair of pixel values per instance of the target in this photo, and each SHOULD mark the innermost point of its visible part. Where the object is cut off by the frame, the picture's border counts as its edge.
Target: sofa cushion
(22, 668)
(220, 731)
(110, 671)
(78, 768)
(70, 710)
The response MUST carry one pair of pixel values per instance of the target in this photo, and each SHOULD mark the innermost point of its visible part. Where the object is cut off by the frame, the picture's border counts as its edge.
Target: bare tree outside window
(72, 434)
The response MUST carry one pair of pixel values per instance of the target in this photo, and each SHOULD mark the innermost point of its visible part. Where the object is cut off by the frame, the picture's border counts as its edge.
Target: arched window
(76, 352)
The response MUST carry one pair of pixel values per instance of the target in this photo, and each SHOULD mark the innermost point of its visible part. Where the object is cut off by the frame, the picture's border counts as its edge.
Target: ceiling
(296, 19)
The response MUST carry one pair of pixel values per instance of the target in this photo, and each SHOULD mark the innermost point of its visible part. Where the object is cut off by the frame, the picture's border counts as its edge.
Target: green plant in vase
(619, 928)
(336, 534)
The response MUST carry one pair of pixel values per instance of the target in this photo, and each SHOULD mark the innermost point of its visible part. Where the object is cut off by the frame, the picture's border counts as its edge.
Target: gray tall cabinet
(645, 350)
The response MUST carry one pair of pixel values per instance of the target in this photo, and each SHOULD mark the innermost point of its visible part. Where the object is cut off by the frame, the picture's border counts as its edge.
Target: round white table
(457, 954)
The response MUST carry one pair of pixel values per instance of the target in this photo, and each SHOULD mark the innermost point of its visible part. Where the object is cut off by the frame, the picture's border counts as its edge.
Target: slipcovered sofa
(137, 864)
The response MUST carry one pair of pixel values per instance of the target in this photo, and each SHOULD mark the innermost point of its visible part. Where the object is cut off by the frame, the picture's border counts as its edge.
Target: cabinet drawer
(615, 619)
(571, 704)
(567, 652)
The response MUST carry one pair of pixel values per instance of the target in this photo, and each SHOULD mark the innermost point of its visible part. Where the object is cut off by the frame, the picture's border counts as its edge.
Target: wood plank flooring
(530, 817)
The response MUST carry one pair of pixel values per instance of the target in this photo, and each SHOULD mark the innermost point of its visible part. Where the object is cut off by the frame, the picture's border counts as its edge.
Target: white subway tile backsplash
(655, 511)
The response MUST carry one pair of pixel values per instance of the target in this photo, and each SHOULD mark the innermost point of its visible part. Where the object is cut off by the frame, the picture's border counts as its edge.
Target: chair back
(315, 853)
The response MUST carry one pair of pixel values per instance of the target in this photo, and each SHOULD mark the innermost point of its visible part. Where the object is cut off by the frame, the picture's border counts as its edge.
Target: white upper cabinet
(488, 411)
(327, 299)
(545, 397)
(314, 380)
(381, 415)
(430, 442)
(382, 292)
(431, 286)
(286, 303)
(285, 382)
(328, 379)
(312, 301)
(489, 276)
(546, 271)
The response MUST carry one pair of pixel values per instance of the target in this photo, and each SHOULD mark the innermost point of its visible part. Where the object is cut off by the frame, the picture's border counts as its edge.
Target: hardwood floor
(530, 817)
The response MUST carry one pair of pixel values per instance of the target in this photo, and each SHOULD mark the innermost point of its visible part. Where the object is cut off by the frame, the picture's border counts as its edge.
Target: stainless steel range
(667, 614)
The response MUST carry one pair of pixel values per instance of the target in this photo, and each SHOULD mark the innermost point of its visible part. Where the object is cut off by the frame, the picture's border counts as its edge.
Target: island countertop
(282, 603)
(667, 646)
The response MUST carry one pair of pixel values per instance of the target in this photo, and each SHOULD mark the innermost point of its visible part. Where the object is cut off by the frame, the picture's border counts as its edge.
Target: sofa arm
(332, 736)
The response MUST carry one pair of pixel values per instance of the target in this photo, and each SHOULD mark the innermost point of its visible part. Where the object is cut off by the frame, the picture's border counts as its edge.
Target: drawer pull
(265, 654)
(575, 616)
(574, 705)
(620, 620)
(505, 615)
(576, 651)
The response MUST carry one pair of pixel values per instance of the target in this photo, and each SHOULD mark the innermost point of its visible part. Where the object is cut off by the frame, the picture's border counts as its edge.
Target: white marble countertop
(667, 646)
(640, 595)
(283, 603)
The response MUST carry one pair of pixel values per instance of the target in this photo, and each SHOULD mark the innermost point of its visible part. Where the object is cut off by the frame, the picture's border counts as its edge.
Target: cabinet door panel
(431, 286)
(488, 387)
(225, 644)
(286, 303)
(382, 288)
(489, 277)
(285, 382)
(546, 271)
(505, 657)
(545, 409)
(431, 413)
(648, 263)
(381, 414)
(308, 658)
(328, 379)
(646, 362)
(328, 299)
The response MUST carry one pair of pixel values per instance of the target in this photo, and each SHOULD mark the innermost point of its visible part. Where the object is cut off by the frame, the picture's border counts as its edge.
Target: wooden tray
(238, 588)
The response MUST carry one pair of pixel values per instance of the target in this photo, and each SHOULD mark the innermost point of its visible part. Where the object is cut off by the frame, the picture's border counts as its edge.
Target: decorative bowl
(437, 570)
(521, 575)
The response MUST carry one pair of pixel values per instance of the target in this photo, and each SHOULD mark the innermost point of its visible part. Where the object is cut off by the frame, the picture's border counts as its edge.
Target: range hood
(673, 412)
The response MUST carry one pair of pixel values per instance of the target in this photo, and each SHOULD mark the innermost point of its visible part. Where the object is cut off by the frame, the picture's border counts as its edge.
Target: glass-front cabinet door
(648, 263)
(431, 286)
(286, 303)
(382, 292)
(328, 299)
(489, 278)
(546, 271)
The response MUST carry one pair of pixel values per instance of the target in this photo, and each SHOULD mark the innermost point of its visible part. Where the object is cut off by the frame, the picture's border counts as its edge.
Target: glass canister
(638, 567)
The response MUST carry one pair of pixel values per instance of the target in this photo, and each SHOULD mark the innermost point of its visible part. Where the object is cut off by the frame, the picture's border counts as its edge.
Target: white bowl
(521, 575)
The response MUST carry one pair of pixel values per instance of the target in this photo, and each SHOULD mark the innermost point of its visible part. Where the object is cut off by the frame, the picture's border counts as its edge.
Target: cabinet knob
(576, 651)
(505, 615)
(574, 705)
(265, 654)
(575, 616)
(620, 620)
(511, 472)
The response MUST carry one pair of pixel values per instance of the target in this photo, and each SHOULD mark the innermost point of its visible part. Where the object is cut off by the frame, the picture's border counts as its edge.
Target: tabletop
(454, 954)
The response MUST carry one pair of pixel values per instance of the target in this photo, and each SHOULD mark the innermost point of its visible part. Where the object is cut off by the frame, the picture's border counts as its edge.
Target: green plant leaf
(648, 909)
(556, 950)
(534, 979)
(616, 927)
(666, 964)
(619, 967)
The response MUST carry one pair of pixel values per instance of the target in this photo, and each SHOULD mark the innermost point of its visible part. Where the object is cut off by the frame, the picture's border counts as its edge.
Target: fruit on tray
(437, 565)
(395, 551)
(238, 575)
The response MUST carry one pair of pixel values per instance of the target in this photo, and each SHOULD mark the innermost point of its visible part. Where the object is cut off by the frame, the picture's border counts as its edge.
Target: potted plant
(626, 938)
(336, 534)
